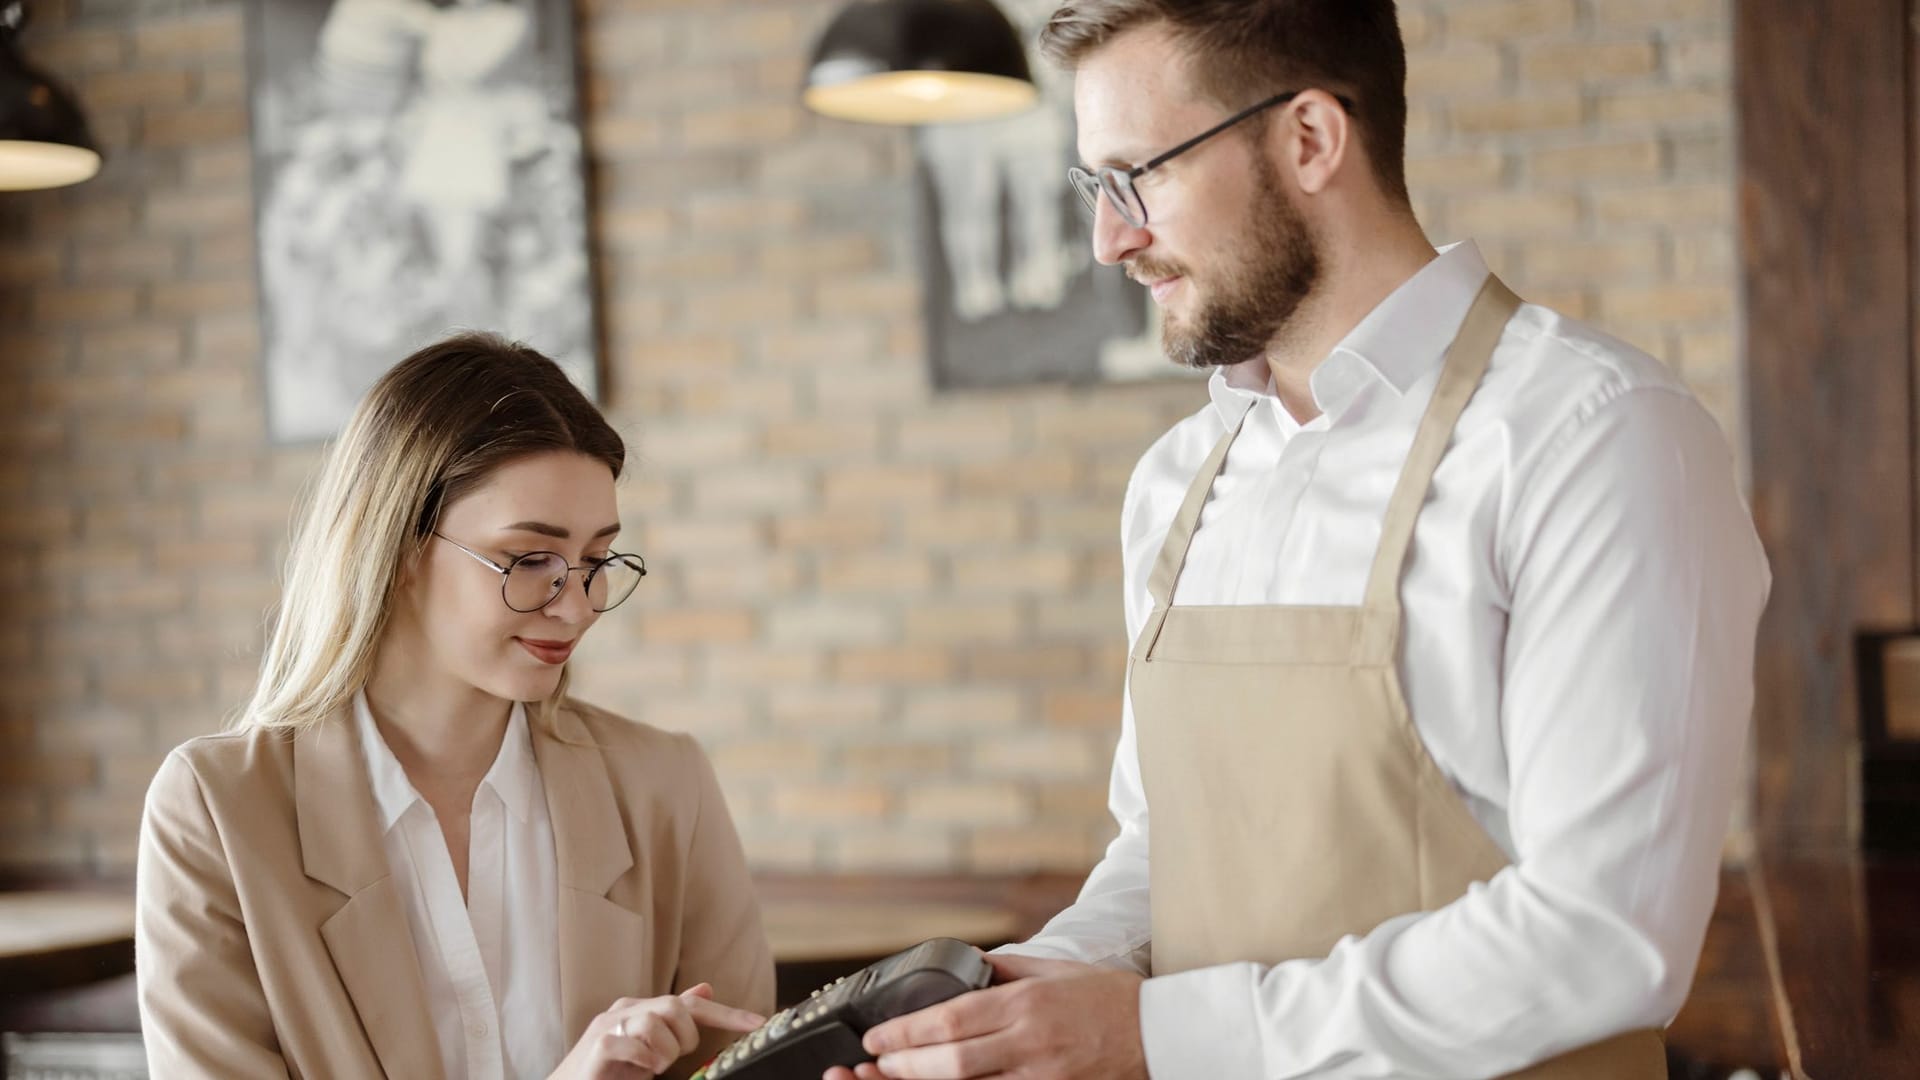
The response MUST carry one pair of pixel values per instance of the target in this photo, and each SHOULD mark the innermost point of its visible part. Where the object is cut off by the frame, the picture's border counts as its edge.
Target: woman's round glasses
(534, 580)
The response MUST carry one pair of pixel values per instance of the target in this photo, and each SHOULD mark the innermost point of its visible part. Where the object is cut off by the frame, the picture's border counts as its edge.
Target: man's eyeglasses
(534, 580)
(1116, 183)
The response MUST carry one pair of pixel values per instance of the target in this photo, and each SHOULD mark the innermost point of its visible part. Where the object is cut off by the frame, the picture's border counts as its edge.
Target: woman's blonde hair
(429, 431)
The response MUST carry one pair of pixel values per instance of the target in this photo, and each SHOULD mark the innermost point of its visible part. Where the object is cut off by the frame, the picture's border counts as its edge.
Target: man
(1443, 611)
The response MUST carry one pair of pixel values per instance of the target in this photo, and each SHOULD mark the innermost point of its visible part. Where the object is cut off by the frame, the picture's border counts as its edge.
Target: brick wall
(892, 615)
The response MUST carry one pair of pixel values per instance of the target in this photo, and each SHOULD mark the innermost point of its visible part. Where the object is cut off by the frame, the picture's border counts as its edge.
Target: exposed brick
(959, 433)
(1588, 61)
(1624, 258)
(885, 572)
(1095, 616)
(907, 762)
(1096, 423)
(755, 577)
(828, 708)
(831, 802)
(1043, 754)
(186, 39)
(1667, 303)
(832, 530)
(1504, 20)
(836, 623)
(876, 484)
(76, 52)
(1056, 475)
(1701, 60)
(1665, 108)
(1014, 572)
(967, 523)
(964, 709)
(740, 125)
(829, 255)
(1548, 111)
(1098, 709)
(752, 666)
(705, 716)
(1471, 68)
(967, 804)
(1675, 206)
(734, 34)
(1636, 160)
(1030, 848)
(895, 850)
(963, 622)
(882, 665)
(85, 304)
(756, 487)
(685, 626)
(1660, 14)
(194, 126)
(768, 757)
(48, 770)
(149, 88)
(1468, 170)
(1516, 214)
(878, 294)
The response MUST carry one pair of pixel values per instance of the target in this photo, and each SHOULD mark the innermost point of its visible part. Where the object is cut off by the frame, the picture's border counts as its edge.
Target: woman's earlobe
(410, 566)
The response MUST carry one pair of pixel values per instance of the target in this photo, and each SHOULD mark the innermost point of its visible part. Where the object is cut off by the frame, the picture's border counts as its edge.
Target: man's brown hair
(1241, 51)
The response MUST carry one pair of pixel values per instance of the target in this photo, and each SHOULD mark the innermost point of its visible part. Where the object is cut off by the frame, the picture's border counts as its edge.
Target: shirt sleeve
(1636, 583)
(202, 1010)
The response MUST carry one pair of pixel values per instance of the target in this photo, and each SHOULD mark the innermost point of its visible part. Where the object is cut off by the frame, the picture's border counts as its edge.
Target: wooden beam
(1822, 104)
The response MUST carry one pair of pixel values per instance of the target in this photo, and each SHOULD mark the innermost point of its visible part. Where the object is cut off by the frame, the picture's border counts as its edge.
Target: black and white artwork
(417, 168)
(1012, 292)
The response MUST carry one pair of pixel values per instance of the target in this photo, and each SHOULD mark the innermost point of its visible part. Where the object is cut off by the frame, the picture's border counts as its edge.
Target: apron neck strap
(1173, 552)
(1460, 374)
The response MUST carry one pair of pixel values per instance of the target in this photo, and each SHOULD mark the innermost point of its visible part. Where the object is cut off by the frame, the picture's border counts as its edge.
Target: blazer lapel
(601, 943)
(368, 938)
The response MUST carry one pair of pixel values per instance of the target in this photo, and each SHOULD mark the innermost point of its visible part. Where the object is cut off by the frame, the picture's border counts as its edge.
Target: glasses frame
(1115, 181)
(586, 583)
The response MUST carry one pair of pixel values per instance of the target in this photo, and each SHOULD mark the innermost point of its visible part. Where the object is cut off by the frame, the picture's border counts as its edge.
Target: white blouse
(491, 965)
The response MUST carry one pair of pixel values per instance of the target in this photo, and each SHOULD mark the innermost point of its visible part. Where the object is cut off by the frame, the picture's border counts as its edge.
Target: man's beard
(1255, 300)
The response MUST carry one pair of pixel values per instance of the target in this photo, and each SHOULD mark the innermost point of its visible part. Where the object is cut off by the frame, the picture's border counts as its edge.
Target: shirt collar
(1400, 340)
(513, 776)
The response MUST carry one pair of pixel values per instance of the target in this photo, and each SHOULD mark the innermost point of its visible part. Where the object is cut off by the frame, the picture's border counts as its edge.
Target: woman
(415, 856)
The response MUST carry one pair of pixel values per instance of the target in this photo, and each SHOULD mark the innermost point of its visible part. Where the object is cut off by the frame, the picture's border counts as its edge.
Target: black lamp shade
(44, 140)
(919, 62)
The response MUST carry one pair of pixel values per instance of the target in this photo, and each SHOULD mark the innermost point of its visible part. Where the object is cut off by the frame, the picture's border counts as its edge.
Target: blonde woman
(416, 856)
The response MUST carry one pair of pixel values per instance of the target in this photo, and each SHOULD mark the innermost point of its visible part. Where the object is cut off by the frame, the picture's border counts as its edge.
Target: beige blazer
(270, 940)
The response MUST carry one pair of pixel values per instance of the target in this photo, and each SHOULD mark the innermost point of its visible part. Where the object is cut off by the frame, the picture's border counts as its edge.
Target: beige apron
(1291, 802)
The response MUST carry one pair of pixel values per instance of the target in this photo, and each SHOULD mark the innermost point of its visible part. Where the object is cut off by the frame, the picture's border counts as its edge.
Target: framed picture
(417, 170)
(1012, 292)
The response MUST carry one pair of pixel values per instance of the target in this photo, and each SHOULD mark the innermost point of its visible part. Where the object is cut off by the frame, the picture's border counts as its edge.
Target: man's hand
(1047, 1020)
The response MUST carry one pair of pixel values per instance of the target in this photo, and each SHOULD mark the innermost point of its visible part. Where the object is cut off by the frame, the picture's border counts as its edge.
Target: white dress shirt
(1580, 603)
(491, 965)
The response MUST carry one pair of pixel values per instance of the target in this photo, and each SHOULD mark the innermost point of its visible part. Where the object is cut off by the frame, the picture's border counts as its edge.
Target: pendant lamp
(44, 140)
(919, 62)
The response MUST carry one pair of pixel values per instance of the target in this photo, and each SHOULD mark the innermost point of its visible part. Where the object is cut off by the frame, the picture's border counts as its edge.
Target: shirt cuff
(1039, 950)
(1202, 1023)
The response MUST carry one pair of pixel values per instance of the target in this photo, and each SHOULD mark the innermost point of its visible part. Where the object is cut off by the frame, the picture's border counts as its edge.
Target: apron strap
(1460, 374)
(1173, 550)
(1465, 362)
